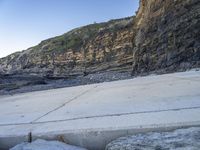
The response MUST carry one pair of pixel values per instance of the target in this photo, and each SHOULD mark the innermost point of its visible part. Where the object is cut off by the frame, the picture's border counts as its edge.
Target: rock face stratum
(167, 38)
(89, 49)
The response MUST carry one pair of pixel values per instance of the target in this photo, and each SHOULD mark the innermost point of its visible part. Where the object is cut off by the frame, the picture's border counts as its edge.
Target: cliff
(96, 47)
(167, 38)
(163, 37)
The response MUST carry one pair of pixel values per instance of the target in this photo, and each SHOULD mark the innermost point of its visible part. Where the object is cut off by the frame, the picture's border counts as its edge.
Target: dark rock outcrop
(167, 37)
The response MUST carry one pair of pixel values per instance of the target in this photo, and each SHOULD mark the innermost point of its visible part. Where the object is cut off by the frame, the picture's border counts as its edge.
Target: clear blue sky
(24, 23)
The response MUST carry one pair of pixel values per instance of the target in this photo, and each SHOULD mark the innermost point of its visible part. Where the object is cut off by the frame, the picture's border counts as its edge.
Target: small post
(30, 137)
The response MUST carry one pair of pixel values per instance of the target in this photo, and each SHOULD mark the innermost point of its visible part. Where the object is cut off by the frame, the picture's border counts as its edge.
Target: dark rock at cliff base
(13, 84)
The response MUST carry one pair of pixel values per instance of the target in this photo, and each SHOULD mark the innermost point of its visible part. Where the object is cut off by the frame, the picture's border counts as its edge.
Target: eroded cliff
(167, 37)
(163, 37)
(84, 50)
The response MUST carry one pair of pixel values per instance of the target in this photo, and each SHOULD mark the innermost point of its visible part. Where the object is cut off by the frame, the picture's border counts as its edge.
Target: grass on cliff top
(74, 39)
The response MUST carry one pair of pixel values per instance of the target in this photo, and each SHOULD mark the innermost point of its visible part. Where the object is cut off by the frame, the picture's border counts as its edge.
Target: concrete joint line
(64, 104)
(107, 115)
(120, 114)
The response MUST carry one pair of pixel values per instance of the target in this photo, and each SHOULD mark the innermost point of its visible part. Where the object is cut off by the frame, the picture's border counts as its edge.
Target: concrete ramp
(92, 115)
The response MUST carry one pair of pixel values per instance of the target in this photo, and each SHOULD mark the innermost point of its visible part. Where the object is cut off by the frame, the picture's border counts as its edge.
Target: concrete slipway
(91, 116)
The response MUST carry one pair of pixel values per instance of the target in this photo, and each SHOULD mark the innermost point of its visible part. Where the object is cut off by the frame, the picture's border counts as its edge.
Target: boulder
(182, 139)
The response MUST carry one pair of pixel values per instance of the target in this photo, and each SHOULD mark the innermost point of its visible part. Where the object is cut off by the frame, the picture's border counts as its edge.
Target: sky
(25, 23)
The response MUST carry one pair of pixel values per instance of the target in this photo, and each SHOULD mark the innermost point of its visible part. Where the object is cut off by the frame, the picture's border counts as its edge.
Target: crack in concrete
(187, 79)
(106, 115)
(64, 104)
(121, 114)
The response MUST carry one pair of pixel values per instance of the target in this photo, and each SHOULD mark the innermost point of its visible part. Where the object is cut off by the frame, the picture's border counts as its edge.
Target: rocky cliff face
(88, 49)
(163, 37)
(167, 36)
